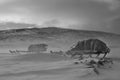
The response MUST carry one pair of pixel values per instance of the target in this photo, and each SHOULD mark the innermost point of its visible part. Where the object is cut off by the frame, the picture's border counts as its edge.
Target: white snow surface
(12, 68)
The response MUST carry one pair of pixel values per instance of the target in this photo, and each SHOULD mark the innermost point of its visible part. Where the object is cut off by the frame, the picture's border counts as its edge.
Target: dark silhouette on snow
(89, 47)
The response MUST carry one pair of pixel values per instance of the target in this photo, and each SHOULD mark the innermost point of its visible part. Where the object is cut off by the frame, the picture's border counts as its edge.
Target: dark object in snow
(89, 47)
(105, 62)
(92, 62)
(96, 71)
(76, 62)
(100, 64)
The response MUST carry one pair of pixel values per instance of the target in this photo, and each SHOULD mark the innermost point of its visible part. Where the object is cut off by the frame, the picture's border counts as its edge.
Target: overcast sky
(100, 15)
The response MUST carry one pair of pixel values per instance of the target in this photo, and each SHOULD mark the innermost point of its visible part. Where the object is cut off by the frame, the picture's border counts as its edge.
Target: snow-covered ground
(48, 67)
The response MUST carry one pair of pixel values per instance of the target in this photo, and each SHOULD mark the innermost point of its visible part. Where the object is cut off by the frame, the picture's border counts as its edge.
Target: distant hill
(50, 33)
(53, 36)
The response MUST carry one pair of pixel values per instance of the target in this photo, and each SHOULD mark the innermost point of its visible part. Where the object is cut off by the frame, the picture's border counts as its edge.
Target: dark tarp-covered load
(92, 45)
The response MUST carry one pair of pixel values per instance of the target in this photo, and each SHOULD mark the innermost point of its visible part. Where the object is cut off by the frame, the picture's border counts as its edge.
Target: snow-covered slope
(56, 38)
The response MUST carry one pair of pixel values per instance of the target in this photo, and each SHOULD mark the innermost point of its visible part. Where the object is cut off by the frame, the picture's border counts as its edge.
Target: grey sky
(103, 15)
